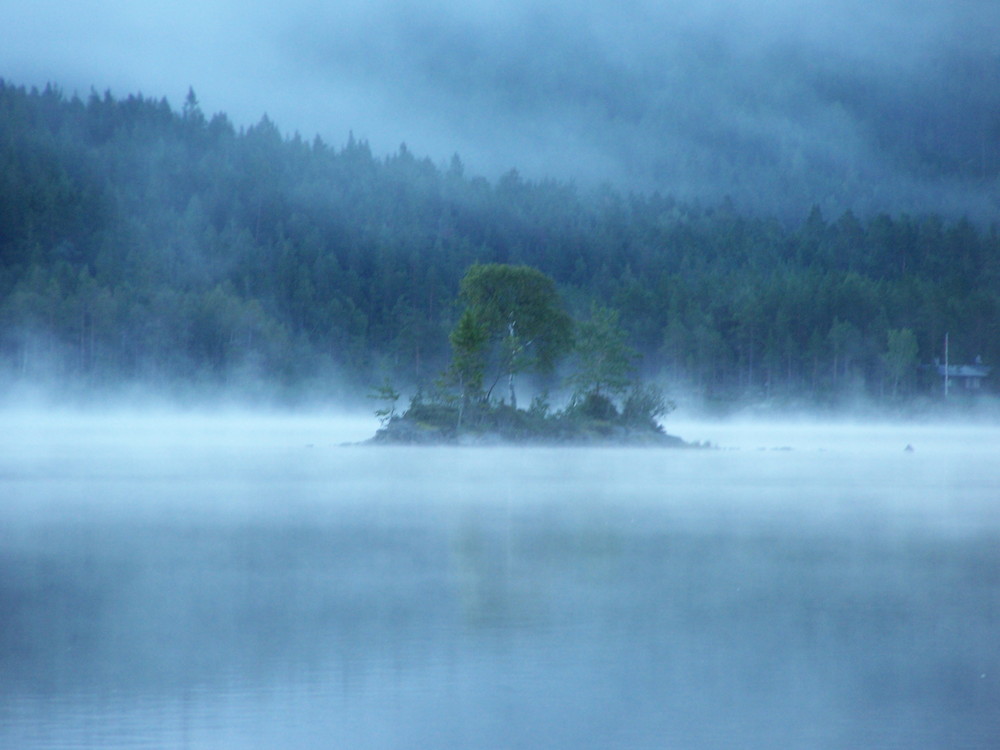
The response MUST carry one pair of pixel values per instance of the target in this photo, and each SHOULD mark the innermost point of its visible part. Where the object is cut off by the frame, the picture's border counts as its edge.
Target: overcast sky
(895, 103)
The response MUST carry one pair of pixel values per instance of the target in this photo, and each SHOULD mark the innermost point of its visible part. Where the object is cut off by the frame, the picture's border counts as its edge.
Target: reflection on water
(265, 587)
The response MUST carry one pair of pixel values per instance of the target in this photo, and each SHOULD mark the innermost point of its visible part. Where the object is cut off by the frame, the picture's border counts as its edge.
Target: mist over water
(245, 580)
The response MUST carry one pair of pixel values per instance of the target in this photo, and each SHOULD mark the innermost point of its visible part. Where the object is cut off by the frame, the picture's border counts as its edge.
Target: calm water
(210, 582)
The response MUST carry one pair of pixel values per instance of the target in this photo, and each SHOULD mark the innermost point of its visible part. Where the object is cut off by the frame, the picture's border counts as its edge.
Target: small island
(593, 422)
(514, 322)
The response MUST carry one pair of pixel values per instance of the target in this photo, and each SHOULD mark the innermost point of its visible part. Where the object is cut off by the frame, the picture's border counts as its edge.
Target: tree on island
(390, 396)
(513, 320)
(606, 370)
(605, 361)
(468, 367)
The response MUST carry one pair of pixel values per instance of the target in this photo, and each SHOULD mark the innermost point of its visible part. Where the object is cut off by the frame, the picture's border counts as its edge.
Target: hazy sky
(892, 100)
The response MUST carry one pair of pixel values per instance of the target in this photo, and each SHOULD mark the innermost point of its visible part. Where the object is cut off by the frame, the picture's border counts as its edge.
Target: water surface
(243, 582)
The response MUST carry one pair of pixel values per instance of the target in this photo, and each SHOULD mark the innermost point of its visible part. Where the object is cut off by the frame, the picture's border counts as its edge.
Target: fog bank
(888, 106)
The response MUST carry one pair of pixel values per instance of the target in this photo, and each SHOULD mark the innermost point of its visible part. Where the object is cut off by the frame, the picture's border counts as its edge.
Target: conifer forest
(144, 244)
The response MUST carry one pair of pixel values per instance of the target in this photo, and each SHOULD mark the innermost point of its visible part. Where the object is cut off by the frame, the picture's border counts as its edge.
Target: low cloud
(780, 105)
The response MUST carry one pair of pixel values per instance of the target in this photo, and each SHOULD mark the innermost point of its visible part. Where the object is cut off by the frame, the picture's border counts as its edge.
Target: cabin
(965, 377)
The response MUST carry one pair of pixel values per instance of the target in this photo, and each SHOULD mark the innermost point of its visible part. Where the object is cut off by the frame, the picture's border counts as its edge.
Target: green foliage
(433, 414)
(645, 404)
(642, 407)
(593, 405)
(469, 340)
(388, 394)
(513, 312)
(605, 362)
(540, 406)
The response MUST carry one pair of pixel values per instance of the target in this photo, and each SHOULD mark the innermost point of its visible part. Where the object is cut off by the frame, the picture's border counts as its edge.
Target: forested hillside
(143, 244)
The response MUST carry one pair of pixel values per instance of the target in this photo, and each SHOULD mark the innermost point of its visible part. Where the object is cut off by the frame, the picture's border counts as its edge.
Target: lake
(246, 581)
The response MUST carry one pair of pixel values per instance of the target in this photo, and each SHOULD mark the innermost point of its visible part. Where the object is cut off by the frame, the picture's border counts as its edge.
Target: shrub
(644, 404)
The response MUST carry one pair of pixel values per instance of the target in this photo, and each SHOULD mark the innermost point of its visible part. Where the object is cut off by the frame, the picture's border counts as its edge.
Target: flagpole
(946, 364)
